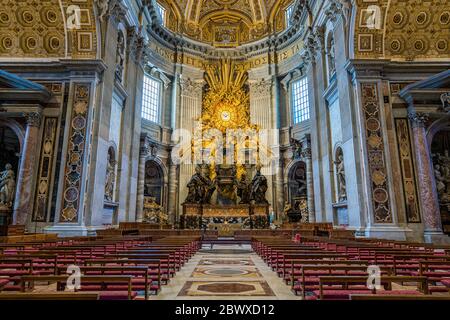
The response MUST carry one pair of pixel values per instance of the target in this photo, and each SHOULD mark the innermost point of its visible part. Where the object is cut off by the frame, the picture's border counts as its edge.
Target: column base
(436, 237)
(64, 230)
(388, 233)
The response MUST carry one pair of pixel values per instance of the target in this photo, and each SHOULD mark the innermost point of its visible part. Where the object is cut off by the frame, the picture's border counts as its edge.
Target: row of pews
(111, 268)
(325, 269)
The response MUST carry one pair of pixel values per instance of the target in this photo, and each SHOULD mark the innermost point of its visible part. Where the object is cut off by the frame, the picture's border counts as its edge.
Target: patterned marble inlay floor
(236, 276)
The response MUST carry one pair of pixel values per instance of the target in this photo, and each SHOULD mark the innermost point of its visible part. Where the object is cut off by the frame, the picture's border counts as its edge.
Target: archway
(10, 146)
(297, 192)
(154, 182)
(440, 152)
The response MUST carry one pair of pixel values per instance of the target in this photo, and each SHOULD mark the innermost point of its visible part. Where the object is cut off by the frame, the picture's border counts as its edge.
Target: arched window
(162, 13)
(300, 100)
(151, 99)
(288, 13)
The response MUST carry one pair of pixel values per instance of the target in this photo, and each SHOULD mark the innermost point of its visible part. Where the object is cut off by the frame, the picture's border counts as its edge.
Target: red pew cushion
(339, 294)
(116, 295)
(446, 282)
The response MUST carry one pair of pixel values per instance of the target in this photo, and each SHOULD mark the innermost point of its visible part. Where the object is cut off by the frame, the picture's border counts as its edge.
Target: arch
(17, 128)
(161, 165)
(442, 123)
(154, 181)
(439, 147)
(273, 12)
(296, 175)
(225, 14)
(174, 7)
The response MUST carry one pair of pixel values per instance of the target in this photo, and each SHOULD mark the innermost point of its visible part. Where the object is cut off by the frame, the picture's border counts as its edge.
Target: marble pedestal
(386, 232)
(64, 231)
(436, 237)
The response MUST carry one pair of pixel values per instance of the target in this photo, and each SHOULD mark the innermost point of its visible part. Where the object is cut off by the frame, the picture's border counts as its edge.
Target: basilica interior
(229, 119)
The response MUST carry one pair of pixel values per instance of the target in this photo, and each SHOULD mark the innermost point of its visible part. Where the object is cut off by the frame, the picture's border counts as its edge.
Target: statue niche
(153, 181)
(7, 188)
(296, 209)
(340, 174)
(441, 161)
(120, 56)
(110, 180)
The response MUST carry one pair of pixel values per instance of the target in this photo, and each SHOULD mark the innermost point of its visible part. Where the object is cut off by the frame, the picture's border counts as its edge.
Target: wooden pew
(344, 283)
(61, 281)
(49, 296)
(136, 271)
(396, 297)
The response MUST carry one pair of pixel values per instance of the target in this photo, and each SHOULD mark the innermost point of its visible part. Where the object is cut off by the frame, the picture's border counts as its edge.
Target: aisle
(226, 272)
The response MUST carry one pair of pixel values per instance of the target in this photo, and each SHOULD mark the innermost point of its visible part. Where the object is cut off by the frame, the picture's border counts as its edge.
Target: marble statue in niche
(259, 188)
(331, 58)
(340, 173)
(442, 176)
(296, 148)
(103, 7)
(120, 56)
(7, 187)
(301, 181)
(110, 177)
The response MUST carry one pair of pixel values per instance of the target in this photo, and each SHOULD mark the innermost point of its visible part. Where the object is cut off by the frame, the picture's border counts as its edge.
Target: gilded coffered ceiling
(226, 23)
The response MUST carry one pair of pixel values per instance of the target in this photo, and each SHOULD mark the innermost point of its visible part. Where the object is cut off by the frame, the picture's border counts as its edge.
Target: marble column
(173, 187)
(24, 191)
(429, 201)
(141, 182)
(306, 154)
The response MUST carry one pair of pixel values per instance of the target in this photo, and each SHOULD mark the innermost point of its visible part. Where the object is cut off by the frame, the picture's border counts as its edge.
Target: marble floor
(226, 273)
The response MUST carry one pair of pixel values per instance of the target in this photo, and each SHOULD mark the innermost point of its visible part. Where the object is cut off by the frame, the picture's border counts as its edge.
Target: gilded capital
(33, 119)
(418, 119)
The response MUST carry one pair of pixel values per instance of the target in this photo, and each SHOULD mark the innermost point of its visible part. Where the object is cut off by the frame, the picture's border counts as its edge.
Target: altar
(226, 218)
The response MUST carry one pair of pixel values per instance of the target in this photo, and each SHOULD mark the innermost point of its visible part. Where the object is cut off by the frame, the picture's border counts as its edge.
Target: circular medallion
(373, 124)
(398, 18)
(441, 45)
(71, 194)
(380, 195)
(419, 45)
(421, 18)
(445, 17)
(78, 123)
(4, 18)
(396, 45)
(7, 43)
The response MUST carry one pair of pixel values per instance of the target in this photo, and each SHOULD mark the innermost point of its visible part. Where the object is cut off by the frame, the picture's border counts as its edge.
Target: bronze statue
(196, 187)
(210, 187)
(243, 190)
(7, 186)
(259, 188)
